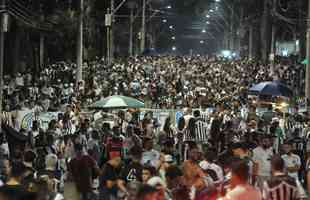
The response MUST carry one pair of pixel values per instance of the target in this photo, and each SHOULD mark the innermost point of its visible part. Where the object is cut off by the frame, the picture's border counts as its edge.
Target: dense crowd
(161, 82)
(228, 153)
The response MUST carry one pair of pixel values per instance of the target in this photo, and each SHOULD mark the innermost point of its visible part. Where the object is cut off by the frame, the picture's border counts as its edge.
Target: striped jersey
(201, 132)
(282, 187)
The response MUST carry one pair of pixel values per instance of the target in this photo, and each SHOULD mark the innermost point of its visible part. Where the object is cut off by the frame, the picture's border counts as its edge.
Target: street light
(211, 10)
(164, 20)
(217, 0)
(171, 27)
(173, 38)
(174, 48)
(169, 7)
(207, 22)
(201, 42)
(207, 16)
(203, 31)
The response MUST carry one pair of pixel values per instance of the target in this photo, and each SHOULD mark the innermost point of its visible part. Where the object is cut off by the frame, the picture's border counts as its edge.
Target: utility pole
(4, 29)
(264, 32)
(79, 58)
(131, 33)
(131, 5)
(41, 46)
(108, 22)
(251, 41)
(142, 44)
(273, 38)
(232, 33)
(112, 32)
(307, 87)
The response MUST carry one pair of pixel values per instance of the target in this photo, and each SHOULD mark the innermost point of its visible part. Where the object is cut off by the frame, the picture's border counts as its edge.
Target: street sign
(271, 57)
(108, 19)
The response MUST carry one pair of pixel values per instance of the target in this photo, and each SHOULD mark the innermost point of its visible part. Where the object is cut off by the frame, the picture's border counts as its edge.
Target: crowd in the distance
(228, 153)
(162, 82)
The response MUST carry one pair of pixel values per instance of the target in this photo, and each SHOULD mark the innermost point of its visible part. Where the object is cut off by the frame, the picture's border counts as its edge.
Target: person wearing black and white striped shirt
(281, 186)
(201, 128)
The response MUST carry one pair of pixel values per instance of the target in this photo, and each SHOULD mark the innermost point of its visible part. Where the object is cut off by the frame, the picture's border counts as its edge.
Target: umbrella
(274, 88)
(117, 101)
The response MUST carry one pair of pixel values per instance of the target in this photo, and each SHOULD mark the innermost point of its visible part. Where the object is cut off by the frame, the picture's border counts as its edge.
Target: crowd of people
(161, 82)
(228, 153)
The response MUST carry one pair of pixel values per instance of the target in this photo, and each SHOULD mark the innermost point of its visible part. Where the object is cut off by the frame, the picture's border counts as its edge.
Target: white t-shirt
(242, 192)
(150, 157)
(263, 158)
(218, 170)
(291, 161)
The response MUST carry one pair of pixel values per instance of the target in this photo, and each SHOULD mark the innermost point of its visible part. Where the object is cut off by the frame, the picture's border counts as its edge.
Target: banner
(25, 119)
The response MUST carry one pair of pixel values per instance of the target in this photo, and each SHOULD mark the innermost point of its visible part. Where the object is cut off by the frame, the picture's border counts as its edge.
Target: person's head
(87, 123)
(181, 123)
(265, 142)
(210, 156)
(106, 127)
(133, 189)
(68, 108)
(29, 157)
(194, 154)
(51, 161)
(287, 148)
(135, 153)
(60, 116)
(147, 173)
(52, 124)
(196, 113)
(116, 130)
(5, 167)
(17, 170)
(148, 144)
(95, 135)
(239, 149)
(116, 161)
(172, 174)
(277, 164)
(147, 192)
(239, 172)
(78, 148)
(35, 125)
(167, 124)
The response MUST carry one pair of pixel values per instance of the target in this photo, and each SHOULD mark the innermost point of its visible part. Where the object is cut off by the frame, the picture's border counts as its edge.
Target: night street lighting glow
(203, 30)
(207, 16)
(174, 48)
(164, 20)
(211, 10)
(217, 0)
(169, 7)
(173, 37)
(171, 27)
(201, 42)
(207, 22)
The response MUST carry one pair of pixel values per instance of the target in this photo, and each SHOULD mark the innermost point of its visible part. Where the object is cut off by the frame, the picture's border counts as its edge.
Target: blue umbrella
(274, 88)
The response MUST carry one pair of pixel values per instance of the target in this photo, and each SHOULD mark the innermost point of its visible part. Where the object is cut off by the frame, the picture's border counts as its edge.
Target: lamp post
(142, 41)
(131, 5)
(307, 87)
(3, 29)
(79, 57)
